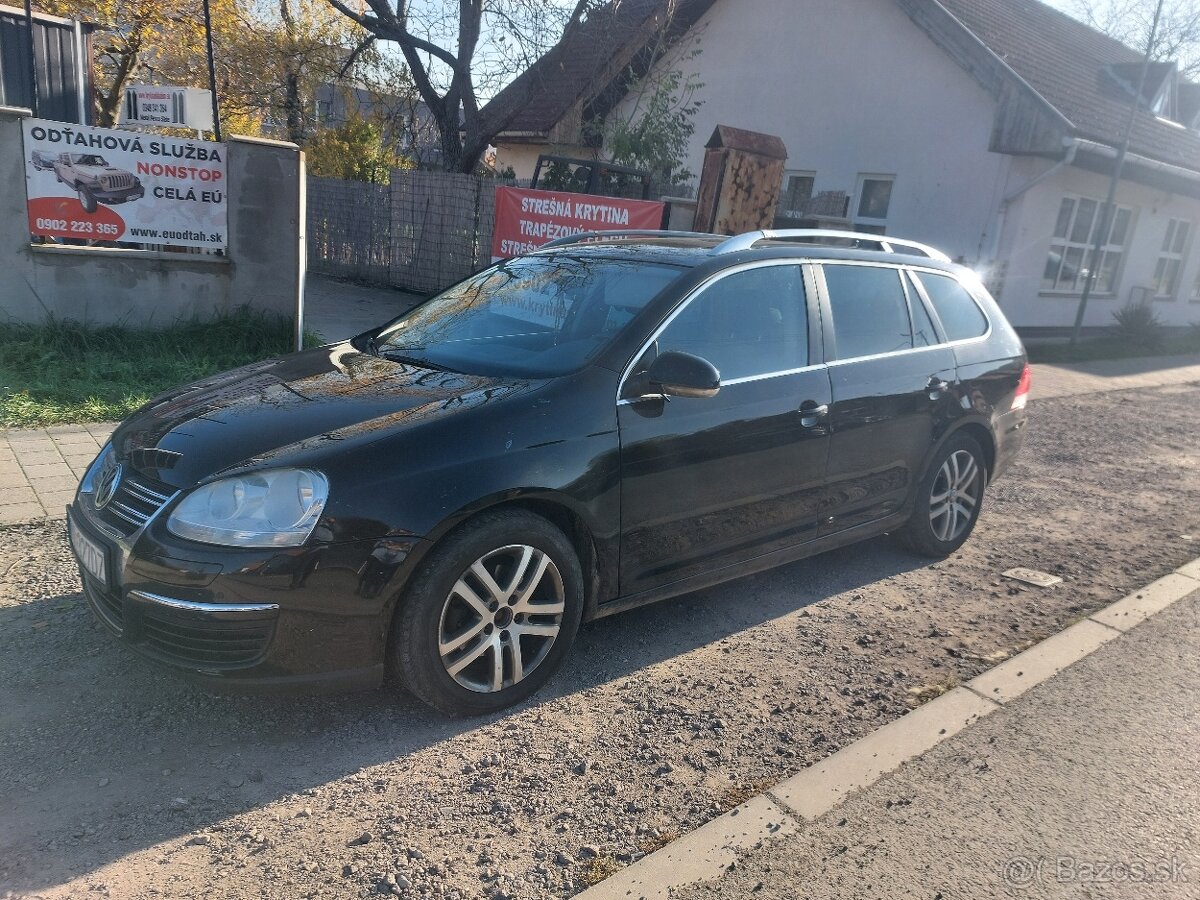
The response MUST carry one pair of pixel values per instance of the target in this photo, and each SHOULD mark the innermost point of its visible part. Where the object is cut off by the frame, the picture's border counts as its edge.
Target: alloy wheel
(954, 496)
(501, 618)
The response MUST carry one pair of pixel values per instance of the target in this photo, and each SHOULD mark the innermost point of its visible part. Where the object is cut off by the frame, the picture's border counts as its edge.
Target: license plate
(90, 554)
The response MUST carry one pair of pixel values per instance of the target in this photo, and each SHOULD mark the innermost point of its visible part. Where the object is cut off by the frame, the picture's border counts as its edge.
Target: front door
(708, 483)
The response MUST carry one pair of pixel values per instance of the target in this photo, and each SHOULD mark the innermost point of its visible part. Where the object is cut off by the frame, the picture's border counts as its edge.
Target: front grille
(179, 637)
(108, 607)
(136, 500)
(116, 182)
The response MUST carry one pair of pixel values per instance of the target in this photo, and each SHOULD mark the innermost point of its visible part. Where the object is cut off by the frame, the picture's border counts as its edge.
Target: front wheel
(490, 615)
(948, 500)
(86, 200)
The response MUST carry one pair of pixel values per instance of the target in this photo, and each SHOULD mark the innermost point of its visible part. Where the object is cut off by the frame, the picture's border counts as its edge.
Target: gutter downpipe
(1072, 147)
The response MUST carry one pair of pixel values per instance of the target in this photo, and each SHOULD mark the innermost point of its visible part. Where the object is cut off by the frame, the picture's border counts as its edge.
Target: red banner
(526, 219)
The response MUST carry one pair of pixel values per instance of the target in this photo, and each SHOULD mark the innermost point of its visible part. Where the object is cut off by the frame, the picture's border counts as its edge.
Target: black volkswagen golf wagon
(615, 419)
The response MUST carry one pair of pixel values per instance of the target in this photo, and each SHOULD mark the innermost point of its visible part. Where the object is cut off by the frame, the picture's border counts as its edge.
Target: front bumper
(306, 617)
(119, 196)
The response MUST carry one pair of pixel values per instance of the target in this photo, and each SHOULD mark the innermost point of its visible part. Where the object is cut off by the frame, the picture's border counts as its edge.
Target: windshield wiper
(402, 357)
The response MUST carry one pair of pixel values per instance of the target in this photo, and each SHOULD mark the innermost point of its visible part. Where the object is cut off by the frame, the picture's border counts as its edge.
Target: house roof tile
(1065, 61)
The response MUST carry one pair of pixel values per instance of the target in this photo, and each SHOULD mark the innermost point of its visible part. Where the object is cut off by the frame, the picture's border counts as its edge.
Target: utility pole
(212, 70)
(1107, 211)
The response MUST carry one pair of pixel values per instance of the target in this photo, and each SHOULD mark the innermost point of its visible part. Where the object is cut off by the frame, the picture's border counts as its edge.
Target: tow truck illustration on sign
(96, 181)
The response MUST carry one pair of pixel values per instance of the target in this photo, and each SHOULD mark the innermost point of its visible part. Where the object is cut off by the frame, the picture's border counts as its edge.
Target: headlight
(277, 508)
(88, 485)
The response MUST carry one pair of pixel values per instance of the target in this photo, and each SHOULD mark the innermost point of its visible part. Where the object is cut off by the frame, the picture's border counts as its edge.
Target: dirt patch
(115, 776)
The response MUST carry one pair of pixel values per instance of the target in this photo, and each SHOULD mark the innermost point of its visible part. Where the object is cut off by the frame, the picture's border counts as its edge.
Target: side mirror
(679, 374)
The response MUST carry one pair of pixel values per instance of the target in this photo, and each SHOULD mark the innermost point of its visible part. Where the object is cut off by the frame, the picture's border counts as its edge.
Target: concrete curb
(706, 852)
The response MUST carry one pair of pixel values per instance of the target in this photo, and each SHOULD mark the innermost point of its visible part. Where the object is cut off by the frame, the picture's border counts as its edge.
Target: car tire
(497, 587)
(86, 200)
(949, 499)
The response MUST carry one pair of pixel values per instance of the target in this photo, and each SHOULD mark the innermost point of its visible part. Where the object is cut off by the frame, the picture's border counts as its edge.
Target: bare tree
(1128, 21)
(458, 51)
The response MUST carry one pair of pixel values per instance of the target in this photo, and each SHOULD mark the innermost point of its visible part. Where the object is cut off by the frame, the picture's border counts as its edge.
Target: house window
(797, 190)
(874, 200)
(324, 110)
(1170, 260)
(1075, 234)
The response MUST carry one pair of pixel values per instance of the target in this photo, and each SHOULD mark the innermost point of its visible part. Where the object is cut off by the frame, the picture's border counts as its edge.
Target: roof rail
(814, 235)
(586, 236)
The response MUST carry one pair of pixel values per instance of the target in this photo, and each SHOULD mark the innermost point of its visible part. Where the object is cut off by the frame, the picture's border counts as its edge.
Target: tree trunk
(293, 108)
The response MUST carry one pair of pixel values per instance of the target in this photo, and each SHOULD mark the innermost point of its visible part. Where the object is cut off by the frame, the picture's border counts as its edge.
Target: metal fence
(422, 232)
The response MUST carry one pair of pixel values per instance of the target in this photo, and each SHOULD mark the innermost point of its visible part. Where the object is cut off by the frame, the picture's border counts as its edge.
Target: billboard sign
(527, 219)
(185, 107)
(101, 184)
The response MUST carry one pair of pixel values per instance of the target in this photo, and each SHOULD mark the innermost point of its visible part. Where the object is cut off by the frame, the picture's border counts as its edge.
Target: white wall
(853, 86)
(1028, 234)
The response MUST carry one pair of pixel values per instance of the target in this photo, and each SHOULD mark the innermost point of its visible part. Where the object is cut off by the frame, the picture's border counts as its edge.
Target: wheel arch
(556, 508)
(974, 428)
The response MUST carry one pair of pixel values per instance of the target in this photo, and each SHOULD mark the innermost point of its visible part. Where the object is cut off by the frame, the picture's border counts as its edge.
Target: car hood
(272, 411)
(99, 170)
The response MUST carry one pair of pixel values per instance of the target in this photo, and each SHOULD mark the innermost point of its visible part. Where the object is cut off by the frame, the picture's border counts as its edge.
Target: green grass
(1114, 347)
(62, 372)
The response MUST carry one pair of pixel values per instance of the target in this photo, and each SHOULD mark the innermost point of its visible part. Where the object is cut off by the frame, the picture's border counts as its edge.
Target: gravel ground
(118, 779)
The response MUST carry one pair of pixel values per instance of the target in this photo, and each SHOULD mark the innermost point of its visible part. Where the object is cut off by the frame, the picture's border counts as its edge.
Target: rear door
(893, 382)
(712, 482)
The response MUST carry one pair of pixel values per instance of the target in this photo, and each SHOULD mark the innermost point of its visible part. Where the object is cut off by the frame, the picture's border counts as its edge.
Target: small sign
(1032, 576)
(168, 106)
(527, 219)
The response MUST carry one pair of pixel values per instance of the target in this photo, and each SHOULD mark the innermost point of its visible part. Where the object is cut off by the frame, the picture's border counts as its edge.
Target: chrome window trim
(820, 264)
(196, 606)
(745, 380)
(686, 301)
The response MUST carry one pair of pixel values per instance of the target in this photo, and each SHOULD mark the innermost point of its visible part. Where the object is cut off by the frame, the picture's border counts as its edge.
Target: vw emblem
(110, 477)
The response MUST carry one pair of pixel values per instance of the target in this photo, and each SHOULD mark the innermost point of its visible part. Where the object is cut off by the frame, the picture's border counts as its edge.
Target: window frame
(1086, 246)
(1167, 255)
(813, 311)
(860, 221)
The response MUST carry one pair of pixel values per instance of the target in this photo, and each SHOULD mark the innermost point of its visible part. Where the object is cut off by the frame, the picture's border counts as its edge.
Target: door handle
(936, 387)
(811, 413)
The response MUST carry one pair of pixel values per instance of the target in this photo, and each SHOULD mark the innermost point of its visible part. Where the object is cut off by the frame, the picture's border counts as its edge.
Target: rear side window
(960, 314)
(870, 312)
(746, 324)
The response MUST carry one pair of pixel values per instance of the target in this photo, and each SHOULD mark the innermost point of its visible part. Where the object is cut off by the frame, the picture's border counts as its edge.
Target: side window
(923, 332)
(870, 312)
(960, 314)
(749, 323)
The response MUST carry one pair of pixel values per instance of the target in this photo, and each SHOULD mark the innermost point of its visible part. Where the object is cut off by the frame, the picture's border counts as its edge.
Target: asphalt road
(1084, 787)
(117, 778)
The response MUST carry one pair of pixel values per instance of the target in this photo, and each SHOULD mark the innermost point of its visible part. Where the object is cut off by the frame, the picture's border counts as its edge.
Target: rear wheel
(490, 615)
(949, 499)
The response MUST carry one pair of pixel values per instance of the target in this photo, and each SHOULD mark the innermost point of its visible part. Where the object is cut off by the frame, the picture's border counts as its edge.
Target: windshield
(90, 159)
(531, 316)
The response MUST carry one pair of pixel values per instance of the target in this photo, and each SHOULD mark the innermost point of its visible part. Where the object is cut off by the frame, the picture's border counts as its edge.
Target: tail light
(1022, 395)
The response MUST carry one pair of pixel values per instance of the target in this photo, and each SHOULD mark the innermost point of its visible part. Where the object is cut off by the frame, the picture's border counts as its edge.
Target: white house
(985, 127)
